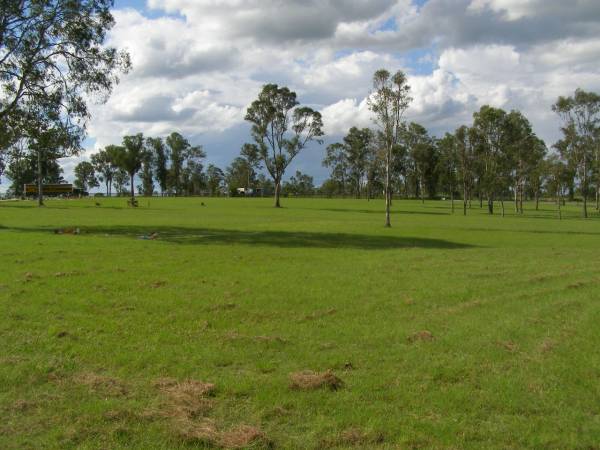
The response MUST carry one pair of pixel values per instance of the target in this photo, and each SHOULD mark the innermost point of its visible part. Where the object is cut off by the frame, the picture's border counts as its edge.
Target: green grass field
(447, 331)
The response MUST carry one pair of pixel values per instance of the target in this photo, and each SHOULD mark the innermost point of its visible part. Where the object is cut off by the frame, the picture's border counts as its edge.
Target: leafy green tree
(161, 159)
(580, 115)
(281, 129)
(130, 158)
(53, 55)
(22, 168)
(299, 184)
(389, 102)
(215, 178)
(336, 160)
(251, 155)
(147, 174)
(182, 153)
(105, 165)
(120, 181)
(423, 156)
(448, 165)
(85, 176)
(238, 174)
(490, 133)
(466, 163)
(358, 146)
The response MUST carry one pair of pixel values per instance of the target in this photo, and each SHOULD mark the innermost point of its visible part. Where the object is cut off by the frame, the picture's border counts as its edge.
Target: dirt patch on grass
(158, 284)
(547, 345)
(308, 380)
(102, 384)
(222, 307)
(233, 335)
(66, 274)
(509, 346)
(420, 336)
(320, 314)
(353, 437)
(187, 406)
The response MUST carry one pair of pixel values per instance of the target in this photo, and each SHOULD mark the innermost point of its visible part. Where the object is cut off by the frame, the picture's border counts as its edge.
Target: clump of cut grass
(102, 384)
(424, 336)
(308, 380)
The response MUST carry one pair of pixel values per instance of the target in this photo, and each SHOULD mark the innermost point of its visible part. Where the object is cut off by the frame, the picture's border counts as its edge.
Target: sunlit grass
(239, 294)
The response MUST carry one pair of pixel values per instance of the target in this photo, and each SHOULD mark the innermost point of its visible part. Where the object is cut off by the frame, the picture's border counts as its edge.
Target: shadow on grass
(282, 239)
(380, 211)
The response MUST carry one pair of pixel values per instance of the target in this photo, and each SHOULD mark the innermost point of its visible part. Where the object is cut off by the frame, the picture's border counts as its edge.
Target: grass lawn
(446, 331)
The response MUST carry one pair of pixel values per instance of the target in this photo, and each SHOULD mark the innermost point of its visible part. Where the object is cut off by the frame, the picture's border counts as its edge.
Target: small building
(249, 192)
(54, 190)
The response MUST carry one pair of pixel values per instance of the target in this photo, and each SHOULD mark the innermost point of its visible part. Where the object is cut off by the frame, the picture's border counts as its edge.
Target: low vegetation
(311, 326)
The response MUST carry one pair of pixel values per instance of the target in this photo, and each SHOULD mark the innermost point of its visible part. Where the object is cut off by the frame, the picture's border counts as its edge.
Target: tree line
(54, 61)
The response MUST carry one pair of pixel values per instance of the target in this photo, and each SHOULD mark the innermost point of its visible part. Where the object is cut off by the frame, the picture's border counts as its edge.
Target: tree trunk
(39, 179)
(387, 189)
(465, 194)
(521, 199)
(517, 197)
(452, 200)
(558, 194)
(277, 193)
(490, 204)
(584, 189)
(421, 190)
(537, 200)
(502, 205)
(132, 189)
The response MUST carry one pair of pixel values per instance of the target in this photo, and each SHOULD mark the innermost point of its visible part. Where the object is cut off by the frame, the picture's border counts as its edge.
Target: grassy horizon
(447, 331)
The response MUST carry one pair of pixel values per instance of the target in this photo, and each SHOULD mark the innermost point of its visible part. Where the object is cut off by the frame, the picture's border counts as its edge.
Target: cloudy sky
(199, 63)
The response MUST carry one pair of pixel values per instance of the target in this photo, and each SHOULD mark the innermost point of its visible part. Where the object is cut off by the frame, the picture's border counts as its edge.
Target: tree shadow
(381, 211)
(281, 239)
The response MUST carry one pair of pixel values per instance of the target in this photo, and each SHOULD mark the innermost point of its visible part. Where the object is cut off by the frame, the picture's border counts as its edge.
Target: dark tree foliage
(85, 176)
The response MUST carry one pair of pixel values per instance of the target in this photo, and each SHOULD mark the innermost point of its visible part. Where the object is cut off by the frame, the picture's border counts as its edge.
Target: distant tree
(423, 153)
(22, 168)
(389, 102)
(490, 132)
(251, 154)
(580, 115)
(130, 158)
(105, 165)
(85, 176)
(465, 157)
(161, 159)
(299, 184)
(558, 173)
(185, 161)
(238, 174)
(337, 162)
(281, 129)
(215, 178)
(120, 181)
(448, 165)
(359, 144)
(147, 174)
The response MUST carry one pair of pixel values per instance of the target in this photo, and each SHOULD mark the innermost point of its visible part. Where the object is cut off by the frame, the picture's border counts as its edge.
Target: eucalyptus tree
(85, 176)
(214, 179)
(490, 133)
(160, 158)
(423, 157)
(388, 102)
(239, 174)
(448, 165)
(53, 58)
(580, 115)
(358, 145)
(130, 157)
(251, 155)
(299, 184)
(337, 162)
(465, 159)
(105, 165)
(147, 173)
(281, 129)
